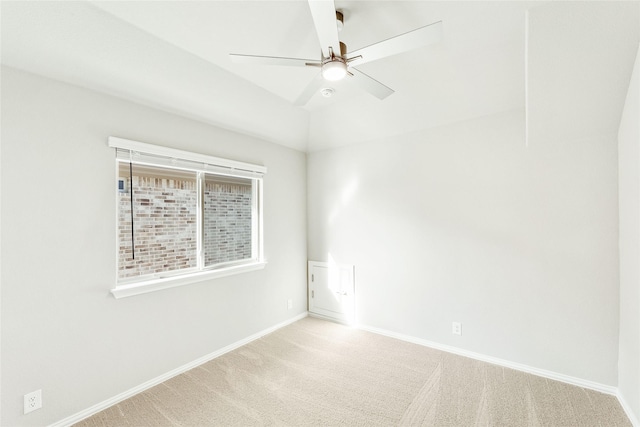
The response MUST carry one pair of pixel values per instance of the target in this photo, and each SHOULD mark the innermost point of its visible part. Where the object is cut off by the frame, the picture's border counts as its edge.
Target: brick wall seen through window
(165, 220)
(227, 221)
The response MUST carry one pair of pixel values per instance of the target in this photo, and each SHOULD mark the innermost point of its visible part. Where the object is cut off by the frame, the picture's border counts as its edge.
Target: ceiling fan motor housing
(343, 50)
(339, 20)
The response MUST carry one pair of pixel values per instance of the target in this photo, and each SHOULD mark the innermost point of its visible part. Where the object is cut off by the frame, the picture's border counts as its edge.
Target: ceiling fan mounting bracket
(339, 20)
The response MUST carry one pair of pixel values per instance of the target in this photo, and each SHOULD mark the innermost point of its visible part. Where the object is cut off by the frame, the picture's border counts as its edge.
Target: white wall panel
(629, 194)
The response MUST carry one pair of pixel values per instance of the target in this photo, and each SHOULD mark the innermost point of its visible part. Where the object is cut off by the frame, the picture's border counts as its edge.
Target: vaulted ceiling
(174, 55)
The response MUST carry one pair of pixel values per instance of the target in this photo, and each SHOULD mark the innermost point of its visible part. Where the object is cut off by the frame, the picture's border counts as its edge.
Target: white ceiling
(173, 55)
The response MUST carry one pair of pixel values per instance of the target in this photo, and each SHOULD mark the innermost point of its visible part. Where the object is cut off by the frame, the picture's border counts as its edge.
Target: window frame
(170, 158)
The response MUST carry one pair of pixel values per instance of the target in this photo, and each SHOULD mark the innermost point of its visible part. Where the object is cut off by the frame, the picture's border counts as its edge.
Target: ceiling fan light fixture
(334, 70)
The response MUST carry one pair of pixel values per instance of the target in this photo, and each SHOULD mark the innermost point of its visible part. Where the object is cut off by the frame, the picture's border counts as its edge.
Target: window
(183, 217)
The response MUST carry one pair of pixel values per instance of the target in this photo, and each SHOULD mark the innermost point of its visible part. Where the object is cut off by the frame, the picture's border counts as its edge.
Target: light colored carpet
(314, 372)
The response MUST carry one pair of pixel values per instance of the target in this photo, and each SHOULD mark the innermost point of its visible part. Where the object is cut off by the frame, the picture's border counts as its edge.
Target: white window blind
(144, 153)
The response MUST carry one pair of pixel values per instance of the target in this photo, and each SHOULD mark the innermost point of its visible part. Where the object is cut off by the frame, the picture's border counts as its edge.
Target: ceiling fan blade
(370, 84)
(420, 37)
(311, 89)
(323, 13)
(271, 60)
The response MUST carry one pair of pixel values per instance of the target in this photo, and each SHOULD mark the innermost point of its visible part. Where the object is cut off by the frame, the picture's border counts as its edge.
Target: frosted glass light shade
(334, 70)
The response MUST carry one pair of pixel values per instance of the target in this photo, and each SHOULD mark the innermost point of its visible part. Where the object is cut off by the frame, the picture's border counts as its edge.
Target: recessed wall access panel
(331, 291)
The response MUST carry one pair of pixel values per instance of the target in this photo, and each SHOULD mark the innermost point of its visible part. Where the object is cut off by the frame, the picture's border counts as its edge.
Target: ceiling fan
(335, 62)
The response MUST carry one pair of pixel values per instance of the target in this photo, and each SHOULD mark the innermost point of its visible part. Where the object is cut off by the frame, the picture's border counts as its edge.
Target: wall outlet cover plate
(32, 401)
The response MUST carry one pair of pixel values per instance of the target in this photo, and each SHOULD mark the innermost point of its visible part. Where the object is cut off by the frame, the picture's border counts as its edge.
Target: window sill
(153, 285)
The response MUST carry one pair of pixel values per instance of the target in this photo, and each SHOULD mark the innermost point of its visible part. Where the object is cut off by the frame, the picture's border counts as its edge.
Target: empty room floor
(315, 372)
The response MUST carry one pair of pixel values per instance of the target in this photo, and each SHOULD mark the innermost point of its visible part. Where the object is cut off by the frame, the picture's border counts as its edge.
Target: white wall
(62, 331)
(0, 262)
(465, 223)
(578, 73)
(629, 199)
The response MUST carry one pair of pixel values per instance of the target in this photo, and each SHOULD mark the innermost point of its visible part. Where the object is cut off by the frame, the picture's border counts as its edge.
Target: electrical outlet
(32, 401)
(456, 328)
(289, 304)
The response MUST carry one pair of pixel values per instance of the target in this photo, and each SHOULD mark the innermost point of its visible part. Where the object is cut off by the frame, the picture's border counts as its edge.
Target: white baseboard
(496, 361)
(155, 381)
(627, 409)
(489, 359)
